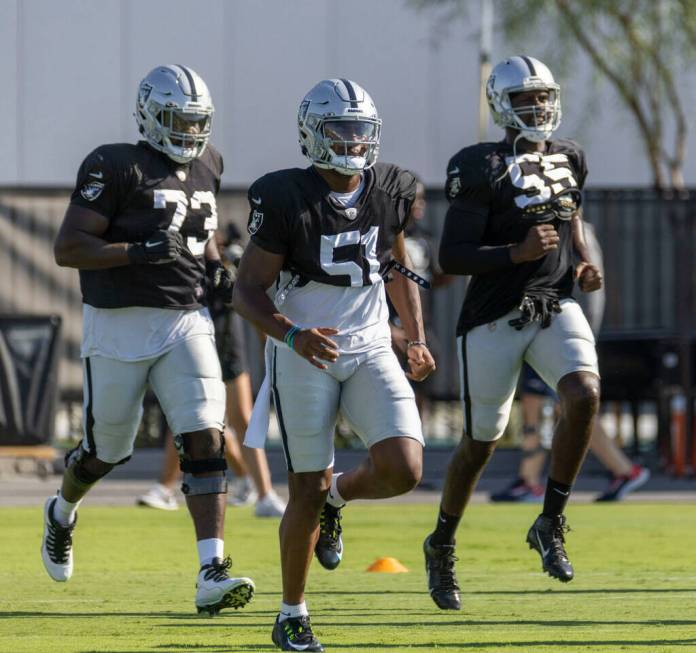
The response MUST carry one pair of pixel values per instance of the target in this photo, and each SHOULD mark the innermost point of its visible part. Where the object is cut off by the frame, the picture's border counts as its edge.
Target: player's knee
(580, 394)
(84, 468)
(202, 459)
(309, 490)
(400, 474)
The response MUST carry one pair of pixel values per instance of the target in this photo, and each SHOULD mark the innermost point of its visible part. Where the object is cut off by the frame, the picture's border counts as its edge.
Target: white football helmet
(174, 112)
(516, 75)
(334, 117)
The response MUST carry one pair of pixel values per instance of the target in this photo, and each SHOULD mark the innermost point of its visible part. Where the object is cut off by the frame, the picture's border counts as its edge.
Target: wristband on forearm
(289, 338)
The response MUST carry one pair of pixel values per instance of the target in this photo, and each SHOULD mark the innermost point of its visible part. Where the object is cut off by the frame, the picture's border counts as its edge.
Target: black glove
(221, 281)
(162, 246)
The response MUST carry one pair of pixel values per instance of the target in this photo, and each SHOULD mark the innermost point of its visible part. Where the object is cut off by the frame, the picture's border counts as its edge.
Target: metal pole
(485, 47)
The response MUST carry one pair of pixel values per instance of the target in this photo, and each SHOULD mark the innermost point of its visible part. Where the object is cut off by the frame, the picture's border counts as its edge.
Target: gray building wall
(70, 69)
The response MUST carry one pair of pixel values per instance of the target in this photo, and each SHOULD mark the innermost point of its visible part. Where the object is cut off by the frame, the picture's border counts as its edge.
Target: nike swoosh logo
(298, 647)
(444, 521)
(96, 175)
(453, 171)
(256, 200)
(563, 494)
(149, 244)
(541, 546)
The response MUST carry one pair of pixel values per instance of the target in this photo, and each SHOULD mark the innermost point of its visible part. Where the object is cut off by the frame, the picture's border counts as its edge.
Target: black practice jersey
(293, 214)
(140, 190)
(515, 194)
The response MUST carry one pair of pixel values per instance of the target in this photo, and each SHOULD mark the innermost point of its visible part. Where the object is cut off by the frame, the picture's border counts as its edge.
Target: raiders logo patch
(91, 190)
(454, 187)
(255, 222)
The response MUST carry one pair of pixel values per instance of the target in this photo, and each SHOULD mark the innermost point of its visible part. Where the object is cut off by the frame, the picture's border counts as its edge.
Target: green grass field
(133, 586)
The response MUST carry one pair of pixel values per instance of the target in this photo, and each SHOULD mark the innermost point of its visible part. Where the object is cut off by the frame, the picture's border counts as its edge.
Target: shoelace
(298, 629)
(217, 571)
(59, 542)
(558, 537)
(445, 566)
(330, 524)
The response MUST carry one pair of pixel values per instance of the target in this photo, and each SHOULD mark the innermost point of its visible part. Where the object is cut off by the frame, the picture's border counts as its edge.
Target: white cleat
(56, 546)
(215, 590)
(243, 492)
(270, 506)
(158, 497)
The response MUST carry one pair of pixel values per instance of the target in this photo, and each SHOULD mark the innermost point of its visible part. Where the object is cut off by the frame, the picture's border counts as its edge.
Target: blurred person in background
(139, 228)
(514, 223)
(244, 461)
(539, 412)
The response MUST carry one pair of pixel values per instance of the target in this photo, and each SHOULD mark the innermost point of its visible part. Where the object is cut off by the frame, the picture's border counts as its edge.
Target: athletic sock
(445, 528)
(64, 512)
(211, 548)
(334, 497)
(288, 611)
(556, 498)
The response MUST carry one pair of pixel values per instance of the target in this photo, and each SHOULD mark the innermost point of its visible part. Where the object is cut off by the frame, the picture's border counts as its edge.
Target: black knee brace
(192, 483)
(77, 467)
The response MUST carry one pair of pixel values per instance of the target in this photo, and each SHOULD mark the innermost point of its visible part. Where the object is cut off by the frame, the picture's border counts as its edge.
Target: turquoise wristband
(289, 338)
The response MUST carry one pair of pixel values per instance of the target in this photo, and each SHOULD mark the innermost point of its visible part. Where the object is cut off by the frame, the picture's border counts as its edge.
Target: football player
(322, 235)
(514, 223)
(139, 229)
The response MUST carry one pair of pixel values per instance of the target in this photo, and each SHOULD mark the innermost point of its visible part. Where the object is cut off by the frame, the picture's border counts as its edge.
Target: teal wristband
(289, 338)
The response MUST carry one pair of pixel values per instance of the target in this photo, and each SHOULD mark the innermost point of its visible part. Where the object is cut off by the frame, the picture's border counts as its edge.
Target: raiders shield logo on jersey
(91, 190)
(255, 222)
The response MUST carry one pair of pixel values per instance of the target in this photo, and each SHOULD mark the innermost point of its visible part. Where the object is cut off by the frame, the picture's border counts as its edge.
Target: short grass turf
(135, 569)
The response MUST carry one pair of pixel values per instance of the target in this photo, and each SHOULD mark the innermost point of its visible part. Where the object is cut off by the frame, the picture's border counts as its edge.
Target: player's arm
(462, 251)
(258, 270)
(80, 244)
(587, 274)
(405, 296)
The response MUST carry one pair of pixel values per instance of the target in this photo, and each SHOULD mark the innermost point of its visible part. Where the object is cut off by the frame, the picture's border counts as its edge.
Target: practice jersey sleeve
(467, 185)
(267, 224)
(101, 184)
(404, 193)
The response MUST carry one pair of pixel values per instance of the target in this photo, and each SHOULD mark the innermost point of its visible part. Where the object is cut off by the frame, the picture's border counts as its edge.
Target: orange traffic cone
(387, 566)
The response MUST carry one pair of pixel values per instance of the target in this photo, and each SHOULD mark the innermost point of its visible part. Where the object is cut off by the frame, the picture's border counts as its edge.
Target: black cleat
(442, 579)
(547, 536)
(295, 634)
(329, 547)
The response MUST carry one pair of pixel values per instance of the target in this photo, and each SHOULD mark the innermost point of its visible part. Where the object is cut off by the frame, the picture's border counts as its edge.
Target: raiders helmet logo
(255, 222)
(91, 190)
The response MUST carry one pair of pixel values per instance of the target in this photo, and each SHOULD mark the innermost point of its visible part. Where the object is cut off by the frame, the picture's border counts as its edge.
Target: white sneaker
(160, 497)
(215, 589)
(270, 506)
(56, 545)
(243, 492)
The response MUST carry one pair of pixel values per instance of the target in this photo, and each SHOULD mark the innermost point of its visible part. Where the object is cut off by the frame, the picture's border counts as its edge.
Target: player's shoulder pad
(569, 147)
(111, 157)
(275, 189)
(395, 181)
(472, 167)
(212, 159)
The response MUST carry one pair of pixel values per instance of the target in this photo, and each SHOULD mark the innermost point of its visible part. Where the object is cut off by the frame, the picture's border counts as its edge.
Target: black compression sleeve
(461, 251)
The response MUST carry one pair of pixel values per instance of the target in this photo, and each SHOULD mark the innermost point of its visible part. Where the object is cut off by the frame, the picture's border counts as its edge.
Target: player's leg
(188, 384)
(306, 402)
(378, 403)
(161, 495)
(535, 399)
(490, 358)
(564, 356)
(113, 395)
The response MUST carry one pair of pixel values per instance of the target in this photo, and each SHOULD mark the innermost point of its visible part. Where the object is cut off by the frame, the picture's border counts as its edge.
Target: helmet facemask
(351, 145)
(545, 118)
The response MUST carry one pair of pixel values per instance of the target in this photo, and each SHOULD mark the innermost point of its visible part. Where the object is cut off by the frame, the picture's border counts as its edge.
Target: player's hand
(162, 246)
(420, 363)
(315, 346)
(588, 276)
(221, 281)
(539, 241)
